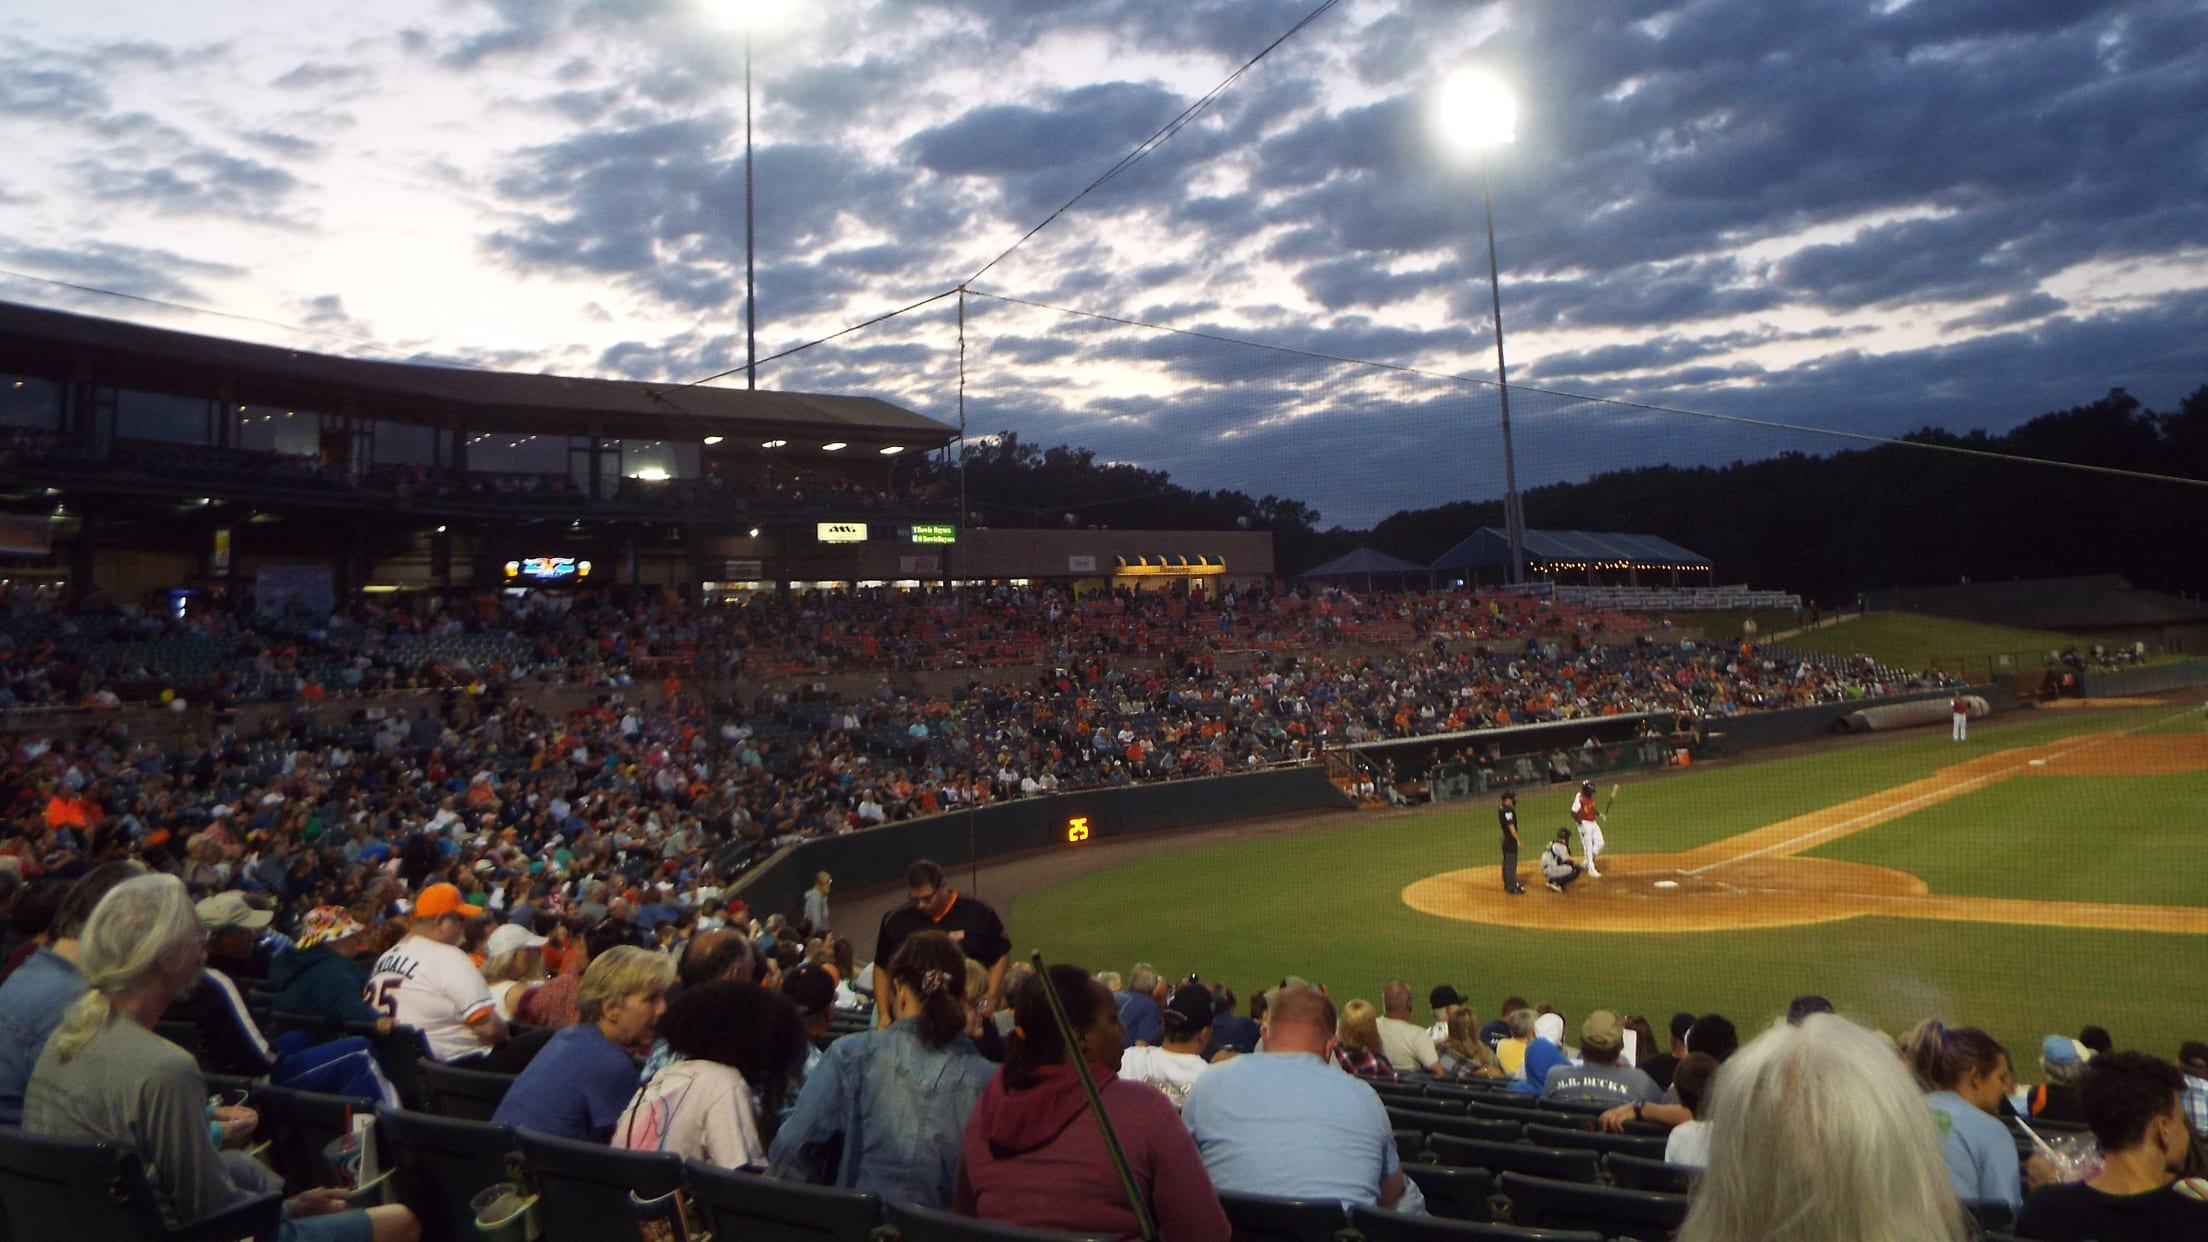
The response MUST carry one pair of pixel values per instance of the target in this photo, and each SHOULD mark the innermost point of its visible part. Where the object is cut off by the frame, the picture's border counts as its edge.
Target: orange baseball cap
(439, 899)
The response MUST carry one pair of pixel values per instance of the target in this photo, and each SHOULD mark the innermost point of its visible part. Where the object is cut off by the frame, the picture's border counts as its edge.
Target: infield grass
(1327, 905)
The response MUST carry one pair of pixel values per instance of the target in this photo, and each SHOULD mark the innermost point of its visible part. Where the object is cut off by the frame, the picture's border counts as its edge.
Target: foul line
(1867, 818)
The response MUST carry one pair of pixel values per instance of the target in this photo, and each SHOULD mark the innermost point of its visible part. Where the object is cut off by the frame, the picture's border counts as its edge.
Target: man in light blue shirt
(41, 990)
(1285, 1121)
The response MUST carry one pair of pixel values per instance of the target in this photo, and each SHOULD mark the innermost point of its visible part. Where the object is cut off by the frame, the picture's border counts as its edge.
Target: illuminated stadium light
(892, 450)
(710, 441)
(772, 443)
(1476, 111)
(833, 446)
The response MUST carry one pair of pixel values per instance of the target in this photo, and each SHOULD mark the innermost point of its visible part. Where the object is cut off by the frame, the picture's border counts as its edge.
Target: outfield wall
(879, 856)
(2146, 679)
(1807, 724)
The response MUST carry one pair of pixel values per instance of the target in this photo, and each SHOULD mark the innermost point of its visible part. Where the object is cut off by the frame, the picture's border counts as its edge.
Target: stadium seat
(757, 1208)
(1495, 1131)
(299, 1127)
(1457, 1193)
(1990, 1213)
(438, 1165)
(1596, 1140)
(1410, 1147)
(1544, 1203)
(1264, 1218)
(913, 1223)
(1640, 1173)
(584, 1189)
(1574, 1108)
(1380, 1225)
(462, 1094)
(1570, 1164)
(55, 1190)
(1498, 1110)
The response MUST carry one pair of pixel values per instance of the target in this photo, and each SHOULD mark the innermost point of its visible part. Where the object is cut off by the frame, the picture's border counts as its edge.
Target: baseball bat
(1613, 799)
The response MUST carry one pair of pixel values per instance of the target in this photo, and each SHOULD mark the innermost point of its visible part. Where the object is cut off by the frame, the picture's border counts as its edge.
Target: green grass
(2078, 838)
(1916, 642)
(1327, 906)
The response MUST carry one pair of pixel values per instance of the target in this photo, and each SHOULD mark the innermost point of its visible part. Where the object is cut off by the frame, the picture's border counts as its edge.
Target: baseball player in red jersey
(1589, 818)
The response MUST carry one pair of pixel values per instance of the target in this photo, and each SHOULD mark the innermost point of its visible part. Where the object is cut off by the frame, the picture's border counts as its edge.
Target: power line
(187, 307)
(1154, 141)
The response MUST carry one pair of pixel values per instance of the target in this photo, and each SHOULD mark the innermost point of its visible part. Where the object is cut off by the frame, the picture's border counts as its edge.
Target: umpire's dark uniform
(1507, 816)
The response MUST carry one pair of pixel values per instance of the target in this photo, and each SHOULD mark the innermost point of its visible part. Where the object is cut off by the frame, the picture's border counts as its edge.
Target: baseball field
(2046, 874)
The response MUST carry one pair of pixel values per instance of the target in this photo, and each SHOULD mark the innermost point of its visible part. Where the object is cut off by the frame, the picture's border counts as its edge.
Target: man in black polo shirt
(973, 926)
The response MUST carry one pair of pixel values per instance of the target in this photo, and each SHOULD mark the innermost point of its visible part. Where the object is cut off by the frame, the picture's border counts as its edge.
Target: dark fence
(1803, 724)
(2146, 679)
(1065, 821)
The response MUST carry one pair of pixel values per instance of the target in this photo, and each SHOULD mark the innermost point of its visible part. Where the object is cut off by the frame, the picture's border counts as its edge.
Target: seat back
(1596, 1140)
(299, 1127)
(1459, 1194)
(1497, 1110)
(1265, 1218)
(1640, 1173)
(401, 1051)
(914, 1223)
(1494, 1130)
(55, 1190)
(1573, 1108)
(1991, 1213)
(1410, 1148)
(1544, 1203)
(438, 1165)
(1563, 1163)
(459, 1093)
(755, 1208)
(584, 1188)
(1380, 1225)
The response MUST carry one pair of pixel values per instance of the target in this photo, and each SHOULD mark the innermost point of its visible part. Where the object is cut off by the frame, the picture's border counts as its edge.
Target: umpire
(1507, 816)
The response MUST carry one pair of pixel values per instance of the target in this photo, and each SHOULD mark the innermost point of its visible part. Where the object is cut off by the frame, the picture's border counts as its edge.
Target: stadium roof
(1488, 547)
(57, 345)
(1363, 561)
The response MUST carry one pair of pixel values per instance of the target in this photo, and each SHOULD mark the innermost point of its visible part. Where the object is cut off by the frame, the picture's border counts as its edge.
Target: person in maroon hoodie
(1034, 1156)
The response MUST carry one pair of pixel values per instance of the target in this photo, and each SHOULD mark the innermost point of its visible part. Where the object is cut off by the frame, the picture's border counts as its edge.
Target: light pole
(751, 16)
(751, 289)
(1478, 114)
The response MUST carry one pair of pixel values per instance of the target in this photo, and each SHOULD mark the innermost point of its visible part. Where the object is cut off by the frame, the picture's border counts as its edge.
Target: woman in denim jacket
(884, 1111)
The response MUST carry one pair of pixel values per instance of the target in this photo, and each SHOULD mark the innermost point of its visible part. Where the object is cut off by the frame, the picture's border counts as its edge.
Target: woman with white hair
(1818, 1134)
(106, 1077)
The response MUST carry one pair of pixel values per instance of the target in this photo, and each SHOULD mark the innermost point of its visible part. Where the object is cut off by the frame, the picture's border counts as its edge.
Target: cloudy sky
(1845, 215)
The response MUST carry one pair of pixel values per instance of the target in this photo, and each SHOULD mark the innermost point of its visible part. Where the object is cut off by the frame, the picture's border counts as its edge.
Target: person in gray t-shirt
(1601, 1080)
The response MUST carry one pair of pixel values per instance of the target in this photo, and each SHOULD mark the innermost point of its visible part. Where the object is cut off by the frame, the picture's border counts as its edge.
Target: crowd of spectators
(714, 1035)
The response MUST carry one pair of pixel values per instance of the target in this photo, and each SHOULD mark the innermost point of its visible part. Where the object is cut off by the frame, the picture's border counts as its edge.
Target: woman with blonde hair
(1966, 1074)
(582, 1081)
(106, 1077)
(1357, 1042)
(1817, 1134)
(1463, 1053)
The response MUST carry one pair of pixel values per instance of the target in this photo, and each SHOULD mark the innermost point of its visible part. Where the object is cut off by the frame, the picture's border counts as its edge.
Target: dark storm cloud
(147, 273)
(288, 146)
(320, 76)
(1039, 156)
(195, 182)
(2007, 311)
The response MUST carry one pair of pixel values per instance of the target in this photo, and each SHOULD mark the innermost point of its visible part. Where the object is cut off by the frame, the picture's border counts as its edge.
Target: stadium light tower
(1477, 114)
(750, 17)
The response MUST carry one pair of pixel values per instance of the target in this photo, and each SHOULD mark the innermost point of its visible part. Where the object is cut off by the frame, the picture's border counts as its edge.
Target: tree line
(1825, 526)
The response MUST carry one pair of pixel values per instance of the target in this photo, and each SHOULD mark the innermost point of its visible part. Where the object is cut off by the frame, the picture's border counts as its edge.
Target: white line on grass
(1938, 795)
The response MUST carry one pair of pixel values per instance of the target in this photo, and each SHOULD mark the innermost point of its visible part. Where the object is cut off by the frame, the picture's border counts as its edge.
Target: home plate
(1666, 884)
(2037, 763)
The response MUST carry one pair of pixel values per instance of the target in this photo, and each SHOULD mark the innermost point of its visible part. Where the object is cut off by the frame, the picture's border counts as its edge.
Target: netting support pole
(1514, 513)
